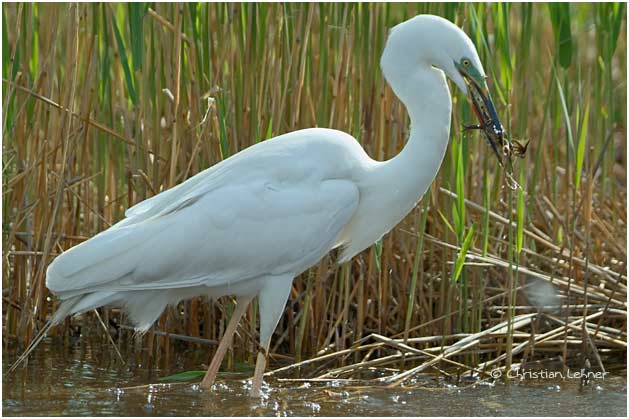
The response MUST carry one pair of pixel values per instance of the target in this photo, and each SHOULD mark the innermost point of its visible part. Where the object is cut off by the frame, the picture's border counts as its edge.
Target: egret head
(428, 41)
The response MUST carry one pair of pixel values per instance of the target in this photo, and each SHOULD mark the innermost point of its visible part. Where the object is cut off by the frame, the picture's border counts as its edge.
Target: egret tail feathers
(64, 309)
(143, 307)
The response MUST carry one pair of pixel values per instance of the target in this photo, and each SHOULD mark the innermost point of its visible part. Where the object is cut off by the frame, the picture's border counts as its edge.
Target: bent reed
(108, 104)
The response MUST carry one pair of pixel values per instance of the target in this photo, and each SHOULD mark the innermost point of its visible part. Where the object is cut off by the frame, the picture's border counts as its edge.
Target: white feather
(248, 225)
(257, 214)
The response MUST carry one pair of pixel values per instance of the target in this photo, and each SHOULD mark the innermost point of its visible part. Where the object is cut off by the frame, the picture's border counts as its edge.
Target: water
(80, 381)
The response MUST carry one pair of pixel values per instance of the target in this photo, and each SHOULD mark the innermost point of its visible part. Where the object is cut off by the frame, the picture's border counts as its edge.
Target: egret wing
(310, 153)
(226, 235)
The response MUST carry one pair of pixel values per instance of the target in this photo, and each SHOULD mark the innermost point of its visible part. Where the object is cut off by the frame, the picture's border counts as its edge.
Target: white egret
(250, 224)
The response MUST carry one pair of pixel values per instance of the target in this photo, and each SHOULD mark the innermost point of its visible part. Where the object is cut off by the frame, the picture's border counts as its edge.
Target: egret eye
(465, 62)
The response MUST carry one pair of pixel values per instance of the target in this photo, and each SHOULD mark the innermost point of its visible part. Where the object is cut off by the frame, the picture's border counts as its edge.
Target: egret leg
(226, 340)
(272, 300)
(256, 381)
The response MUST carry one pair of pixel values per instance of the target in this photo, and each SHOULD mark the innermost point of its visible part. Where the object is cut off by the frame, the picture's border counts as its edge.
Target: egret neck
(428, 103)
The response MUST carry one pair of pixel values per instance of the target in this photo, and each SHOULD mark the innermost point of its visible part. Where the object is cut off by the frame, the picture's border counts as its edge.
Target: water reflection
(77, 383)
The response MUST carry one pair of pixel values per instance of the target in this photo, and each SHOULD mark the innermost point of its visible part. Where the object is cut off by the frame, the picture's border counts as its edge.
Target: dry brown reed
(108, 104)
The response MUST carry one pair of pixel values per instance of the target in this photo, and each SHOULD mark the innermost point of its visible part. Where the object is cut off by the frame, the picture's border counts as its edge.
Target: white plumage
(248, 225)
(261, 213)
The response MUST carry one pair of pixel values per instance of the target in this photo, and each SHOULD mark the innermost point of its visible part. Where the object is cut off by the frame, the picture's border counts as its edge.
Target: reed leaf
(560, 19)
(124, 61)
(248, 72)
(460, 260)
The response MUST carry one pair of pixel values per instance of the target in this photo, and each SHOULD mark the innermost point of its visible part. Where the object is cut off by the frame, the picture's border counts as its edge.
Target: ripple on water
(148, 408)
(79, 385)
(315, 407)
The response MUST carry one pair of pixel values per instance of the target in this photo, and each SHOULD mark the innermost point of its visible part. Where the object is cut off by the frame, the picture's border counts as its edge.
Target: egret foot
(256, 382)
(210, 375)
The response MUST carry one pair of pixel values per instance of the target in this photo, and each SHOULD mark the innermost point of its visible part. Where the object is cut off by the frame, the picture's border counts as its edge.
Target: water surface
(77, 382)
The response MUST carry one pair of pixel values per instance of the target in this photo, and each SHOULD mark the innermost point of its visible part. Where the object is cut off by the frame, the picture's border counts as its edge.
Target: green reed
(148, 95)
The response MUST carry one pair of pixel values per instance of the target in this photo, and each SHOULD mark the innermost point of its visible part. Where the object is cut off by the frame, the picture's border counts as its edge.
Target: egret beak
(485, 111)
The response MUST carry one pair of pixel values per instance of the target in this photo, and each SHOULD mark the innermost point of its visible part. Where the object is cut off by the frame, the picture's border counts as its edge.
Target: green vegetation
(108, 104)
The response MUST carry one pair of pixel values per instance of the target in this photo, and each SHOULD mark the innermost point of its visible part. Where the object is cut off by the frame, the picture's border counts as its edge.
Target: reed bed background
(105, 105)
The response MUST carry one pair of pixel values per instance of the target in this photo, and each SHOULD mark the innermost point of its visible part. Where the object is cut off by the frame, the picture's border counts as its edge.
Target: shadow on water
(75, 382)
